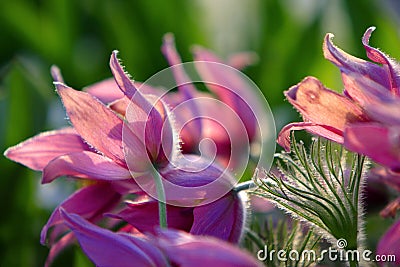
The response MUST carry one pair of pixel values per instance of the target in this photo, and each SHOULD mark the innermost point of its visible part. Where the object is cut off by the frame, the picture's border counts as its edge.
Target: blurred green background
(79, 36)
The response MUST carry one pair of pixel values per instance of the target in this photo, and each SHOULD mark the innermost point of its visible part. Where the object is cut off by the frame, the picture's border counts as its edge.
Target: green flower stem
(162, 206)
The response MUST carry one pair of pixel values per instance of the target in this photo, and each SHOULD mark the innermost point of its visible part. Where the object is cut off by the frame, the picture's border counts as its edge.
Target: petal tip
(56, 73)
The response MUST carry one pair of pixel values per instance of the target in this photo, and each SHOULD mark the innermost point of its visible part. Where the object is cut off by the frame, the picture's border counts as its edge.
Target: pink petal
(106, 91)
(375, 141)
(229, 86)
(85, 165)
(144, 115)
(391, 66)
(185, 86)
(223, 219)
(322, 106)
(89, 202)
(106, 248)
(242, 60)
(187, 250)
(390, 243)
(95, 123)
(325, 131)
(38, 151)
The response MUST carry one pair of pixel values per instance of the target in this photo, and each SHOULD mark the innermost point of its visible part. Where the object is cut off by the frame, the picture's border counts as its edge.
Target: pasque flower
(164, 248)
(365, 118)
(117, 150)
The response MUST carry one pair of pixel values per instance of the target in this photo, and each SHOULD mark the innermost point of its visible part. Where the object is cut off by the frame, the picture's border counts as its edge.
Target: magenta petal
(58, 247)
(184, 249)
(89, 202)
(95, 123)
(325, 131)
(126, 85)
(106, 248)
(38, 151)
(390, 243)
(106, 91)
(223, 218)
(375, 141)
(144, 216)
(85, 165)
(145, 115)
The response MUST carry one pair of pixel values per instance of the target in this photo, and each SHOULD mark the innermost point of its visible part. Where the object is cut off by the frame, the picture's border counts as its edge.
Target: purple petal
(106, 91)
(38, 151)
(378, 142)
(390, 242)
(363, 90)
(95, 123)
(89, 202)
(325, 131)
(85, 165)
(106, 248)
(350, 64)
(184, 250)
(391, 66)
(385, 111)
(223, 218)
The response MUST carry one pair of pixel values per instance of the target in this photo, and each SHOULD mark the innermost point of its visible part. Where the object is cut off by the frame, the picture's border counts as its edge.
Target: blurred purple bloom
(164, 248)
(390, 243)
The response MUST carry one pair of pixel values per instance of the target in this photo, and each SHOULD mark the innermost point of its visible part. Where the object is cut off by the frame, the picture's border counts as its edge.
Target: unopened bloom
(164, 248)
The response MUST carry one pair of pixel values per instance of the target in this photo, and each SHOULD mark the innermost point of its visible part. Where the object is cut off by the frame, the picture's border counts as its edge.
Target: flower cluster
(138, 155)
(364, 118)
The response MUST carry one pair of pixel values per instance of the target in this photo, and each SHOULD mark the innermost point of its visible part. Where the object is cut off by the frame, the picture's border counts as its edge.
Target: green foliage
(271, 235)
(322, 188)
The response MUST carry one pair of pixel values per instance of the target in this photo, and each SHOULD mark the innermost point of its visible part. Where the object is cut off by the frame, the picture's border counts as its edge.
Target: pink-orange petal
(320, 105)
